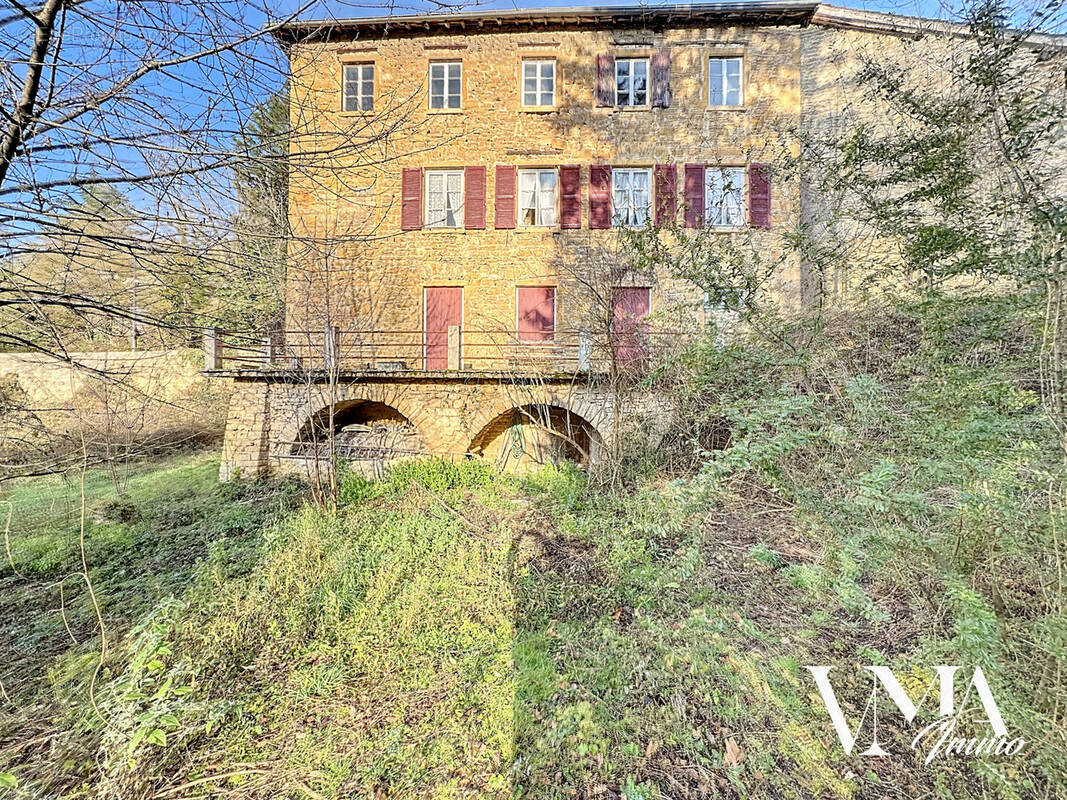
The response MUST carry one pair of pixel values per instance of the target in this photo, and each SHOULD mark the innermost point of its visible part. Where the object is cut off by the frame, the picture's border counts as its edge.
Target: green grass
(449, 632)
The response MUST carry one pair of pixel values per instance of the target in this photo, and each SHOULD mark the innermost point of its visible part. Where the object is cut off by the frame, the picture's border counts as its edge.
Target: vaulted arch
(360, 428)
(536, 433)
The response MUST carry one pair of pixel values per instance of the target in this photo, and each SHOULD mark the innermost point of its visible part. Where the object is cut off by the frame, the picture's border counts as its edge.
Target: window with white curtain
(538, 196)
(725, 196)
(444, 198)
(631, 195)
(631, 81)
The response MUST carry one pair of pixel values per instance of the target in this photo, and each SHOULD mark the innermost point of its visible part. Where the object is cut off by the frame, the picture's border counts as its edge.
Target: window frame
(446, 63)
(360, 65)
(743, 191)
(651, 196)
(555, 313)
(724, 57)
(648, 81)
(461, 213)
(539, 60)
(537, 208)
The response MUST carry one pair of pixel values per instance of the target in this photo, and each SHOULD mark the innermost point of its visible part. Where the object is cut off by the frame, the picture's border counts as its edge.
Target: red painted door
(444, 308)
(630, 306)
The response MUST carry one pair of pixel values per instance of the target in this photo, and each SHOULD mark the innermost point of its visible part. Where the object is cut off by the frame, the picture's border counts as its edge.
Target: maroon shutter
(411, 199)
(694, 196)
(759, 196)
(570, 197)
(474, 198)
(661, 79)
(505, 196)
(599, 196)
(605, 80)
(666, 193)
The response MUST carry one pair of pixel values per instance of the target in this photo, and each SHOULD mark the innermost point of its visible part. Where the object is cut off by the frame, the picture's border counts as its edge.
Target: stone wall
(454, 418)
(349, 252)
(124, 395)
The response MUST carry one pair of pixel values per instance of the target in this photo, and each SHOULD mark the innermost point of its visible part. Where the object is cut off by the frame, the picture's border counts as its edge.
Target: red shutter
(694, 196)
(759, 196)
(411, 199)
(599, 196)
(666, 193)
(536, 317)
(661, 79)
(505, 196)
(474, 198)
(605, 80)
(570, 197)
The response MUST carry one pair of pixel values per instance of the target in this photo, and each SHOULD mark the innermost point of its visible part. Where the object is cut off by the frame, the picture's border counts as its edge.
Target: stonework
(354, 266)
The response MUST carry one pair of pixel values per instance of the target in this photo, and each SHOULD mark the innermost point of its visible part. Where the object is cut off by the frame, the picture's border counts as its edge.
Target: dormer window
(358, 87)
(724, 82)
(631, 81)
(446, 85)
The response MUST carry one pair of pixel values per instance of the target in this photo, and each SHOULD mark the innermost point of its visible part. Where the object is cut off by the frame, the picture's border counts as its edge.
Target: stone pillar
(246, 446)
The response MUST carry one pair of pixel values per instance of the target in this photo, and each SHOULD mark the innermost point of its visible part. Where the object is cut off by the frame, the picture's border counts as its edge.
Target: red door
(630, 306)
(444, 308)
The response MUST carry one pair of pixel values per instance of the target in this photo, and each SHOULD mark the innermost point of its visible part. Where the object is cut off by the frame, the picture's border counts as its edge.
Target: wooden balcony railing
(453, 350)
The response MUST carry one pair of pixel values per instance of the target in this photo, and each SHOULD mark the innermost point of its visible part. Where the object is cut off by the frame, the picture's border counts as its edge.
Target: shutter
(599, 196)
(661, 79)
(411, 199)
(605, 80)
(759, 196)
(694, 196)
(506, 178)
(666, 194)
(570, 197)
(474, 198)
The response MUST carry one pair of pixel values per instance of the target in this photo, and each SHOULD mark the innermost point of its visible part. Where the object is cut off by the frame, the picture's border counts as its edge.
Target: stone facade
(355, 266)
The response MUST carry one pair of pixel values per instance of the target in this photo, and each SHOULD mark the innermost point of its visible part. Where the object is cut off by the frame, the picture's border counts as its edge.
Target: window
(444, 198)
(631, 81)
(725, 196)
(538, 196)
(535, 313)
(631, 196)
(539, 83)
(358, 87)
(724, 82)
(446, 84)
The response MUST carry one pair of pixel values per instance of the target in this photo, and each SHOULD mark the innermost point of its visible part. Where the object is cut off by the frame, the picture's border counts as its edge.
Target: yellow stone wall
(345, 188)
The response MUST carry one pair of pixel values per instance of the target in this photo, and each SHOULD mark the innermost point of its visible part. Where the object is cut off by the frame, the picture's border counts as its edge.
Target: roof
(753, 12)
(762, 12)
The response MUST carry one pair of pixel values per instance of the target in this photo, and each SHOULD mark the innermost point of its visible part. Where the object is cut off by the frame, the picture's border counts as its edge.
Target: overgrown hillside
(889, 492)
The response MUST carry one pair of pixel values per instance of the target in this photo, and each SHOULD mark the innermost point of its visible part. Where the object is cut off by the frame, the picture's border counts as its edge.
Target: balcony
(452, 354)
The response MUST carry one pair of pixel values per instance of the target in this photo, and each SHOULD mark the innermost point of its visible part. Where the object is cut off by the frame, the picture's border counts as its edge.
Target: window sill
(538, 109)
(627, 109)
(442, 229)
(536, 228)
(444, 111)
(727, 108)
(368, 113)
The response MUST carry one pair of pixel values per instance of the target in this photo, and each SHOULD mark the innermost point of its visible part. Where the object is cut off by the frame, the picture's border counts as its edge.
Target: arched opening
(361, 430)
(535, 434)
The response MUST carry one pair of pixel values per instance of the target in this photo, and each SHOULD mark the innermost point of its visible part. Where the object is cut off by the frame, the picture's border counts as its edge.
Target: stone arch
(363, 427)
(531, 434)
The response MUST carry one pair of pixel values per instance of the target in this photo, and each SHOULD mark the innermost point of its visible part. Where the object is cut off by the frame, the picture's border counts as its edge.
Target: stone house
(461, 188)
